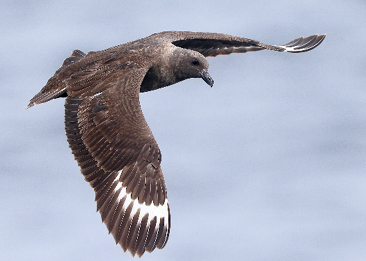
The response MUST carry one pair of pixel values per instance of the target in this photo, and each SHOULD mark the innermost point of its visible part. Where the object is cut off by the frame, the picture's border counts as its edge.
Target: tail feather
(75, 56)
(55, 87)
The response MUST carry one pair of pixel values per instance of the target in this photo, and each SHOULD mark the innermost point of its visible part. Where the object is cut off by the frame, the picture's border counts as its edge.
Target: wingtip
(302, 44)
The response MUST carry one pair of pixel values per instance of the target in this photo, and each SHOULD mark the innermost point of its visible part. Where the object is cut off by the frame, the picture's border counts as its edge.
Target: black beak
(207, 78)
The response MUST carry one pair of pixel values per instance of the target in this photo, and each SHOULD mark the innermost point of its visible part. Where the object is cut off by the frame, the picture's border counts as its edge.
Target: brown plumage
(107, 132)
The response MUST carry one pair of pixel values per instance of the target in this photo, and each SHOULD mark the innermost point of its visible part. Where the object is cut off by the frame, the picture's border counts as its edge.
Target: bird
(108, 134)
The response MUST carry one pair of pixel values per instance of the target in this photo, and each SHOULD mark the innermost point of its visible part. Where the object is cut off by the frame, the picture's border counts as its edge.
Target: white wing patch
(158, 217)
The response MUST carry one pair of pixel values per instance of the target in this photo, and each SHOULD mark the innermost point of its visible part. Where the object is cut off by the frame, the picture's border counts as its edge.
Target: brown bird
(108, 134)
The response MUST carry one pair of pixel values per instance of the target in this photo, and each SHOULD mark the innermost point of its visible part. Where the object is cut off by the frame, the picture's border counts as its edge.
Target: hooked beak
(207, 78)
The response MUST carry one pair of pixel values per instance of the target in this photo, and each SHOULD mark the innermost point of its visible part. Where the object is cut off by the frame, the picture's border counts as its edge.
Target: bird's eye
(195, 61)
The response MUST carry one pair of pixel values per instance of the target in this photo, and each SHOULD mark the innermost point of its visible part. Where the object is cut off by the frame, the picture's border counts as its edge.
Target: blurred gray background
(269, 164)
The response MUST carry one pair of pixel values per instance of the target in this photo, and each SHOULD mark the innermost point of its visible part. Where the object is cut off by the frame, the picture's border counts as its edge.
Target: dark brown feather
(90, 146)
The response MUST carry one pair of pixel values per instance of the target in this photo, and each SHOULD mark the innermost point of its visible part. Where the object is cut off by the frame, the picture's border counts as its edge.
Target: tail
(55, 87)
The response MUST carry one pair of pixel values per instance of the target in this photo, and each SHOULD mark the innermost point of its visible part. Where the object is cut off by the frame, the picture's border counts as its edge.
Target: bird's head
(190, 64)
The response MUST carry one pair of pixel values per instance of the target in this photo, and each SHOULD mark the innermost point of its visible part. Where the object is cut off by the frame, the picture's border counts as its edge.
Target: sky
(269, 164)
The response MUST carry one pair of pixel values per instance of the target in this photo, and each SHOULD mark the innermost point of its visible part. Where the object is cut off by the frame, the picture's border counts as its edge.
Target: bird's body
(108, 134)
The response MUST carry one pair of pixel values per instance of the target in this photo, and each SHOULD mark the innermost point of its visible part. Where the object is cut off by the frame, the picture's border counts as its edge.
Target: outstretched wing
(213, 44)
(120, 158)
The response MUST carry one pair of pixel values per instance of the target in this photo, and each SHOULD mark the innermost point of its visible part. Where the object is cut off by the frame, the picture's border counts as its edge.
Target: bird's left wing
(213, 44)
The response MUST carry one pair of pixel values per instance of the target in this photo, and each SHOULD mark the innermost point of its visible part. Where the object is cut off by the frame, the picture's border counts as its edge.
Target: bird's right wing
(120, 158)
